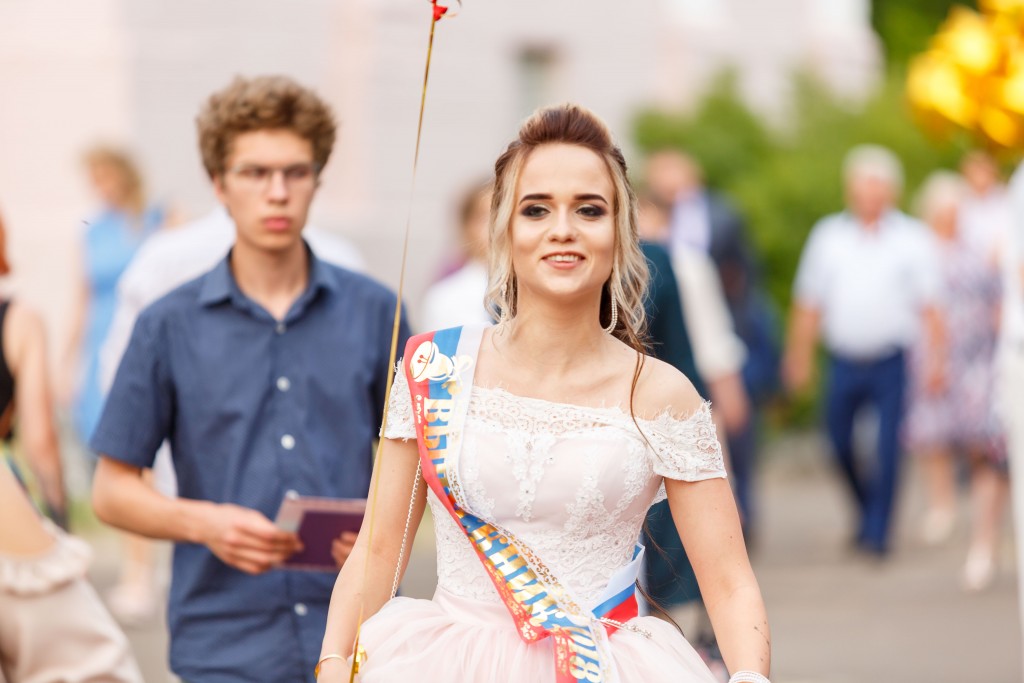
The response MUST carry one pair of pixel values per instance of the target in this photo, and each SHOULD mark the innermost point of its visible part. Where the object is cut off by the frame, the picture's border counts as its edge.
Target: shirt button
(280, 328)
(283, 384)
(301, 609)
(288, 442)
(291, 493)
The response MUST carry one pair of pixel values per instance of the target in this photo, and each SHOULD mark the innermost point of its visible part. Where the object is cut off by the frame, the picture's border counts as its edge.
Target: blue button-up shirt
(253, 408)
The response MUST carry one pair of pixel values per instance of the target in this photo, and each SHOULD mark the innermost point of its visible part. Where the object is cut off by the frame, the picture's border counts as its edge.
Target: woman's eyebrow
(545, 197)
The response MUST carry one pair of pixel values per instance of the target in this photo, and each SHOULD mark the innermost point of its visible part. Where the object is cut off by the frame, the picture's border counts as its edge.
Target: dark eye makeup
(534, 211)
(586, 210)
(592, 211)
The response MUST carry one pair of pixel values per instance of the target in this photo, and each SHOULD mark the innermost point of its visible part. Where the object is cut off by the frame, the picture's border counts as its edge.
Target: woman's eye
(534, 211)
(591, 211)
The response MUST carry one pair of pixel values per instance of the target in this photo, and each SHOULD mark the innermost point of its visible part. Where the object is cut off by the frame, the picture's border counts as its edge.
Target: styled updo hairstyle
(570, 124)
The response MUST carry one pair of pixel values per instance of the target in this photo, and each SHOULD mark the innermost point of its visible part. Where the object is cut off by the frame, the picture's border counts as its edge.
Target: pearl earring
(615, 316)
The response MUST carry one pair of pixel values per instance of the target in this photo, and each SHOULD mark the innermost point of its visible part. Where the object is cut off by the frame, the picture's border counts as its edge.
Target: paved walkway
(836, 618)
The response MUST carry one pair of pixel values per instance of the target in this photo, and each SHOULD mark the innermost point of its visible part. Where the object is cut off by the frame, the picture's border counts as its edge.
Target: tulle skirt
(454, 639)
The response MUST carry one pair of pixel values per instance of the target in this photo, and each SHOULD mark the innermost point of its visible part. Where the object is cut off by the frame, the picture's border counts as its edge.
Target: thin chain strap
(626, 627)
(408, 523)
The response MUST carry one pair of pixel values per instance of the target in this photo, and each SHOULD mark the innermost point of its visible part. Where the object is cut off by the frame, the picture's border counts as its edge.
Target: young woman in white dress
(571, 434)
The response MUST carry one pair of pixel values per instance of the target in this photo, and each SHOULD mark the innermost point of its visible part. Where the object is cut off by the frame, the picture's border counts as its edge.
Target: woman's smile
(564, 260)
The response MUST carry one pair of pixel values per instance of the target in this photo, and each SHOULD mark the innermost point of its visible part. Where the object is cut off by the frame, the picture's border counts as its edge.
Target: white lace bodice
(573, 483)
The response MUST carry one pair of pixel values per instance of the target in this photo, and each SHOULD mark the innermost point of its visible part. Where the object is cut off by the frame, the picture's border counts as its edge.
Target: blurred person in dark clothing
(669, 579)
(703, 221)
(718, 353)
(868, 282)
(268, 376)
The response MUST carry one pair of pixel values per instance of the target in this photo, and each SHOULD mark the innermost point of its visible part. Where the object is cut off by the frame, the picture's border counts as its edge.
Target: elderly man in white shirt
(1012, 360)
(868, 278)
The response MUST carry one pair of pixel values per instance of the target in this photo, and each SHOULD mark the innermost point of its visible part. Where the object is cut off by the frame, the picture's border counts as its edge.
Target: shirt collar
(219, 284)
(885, 221)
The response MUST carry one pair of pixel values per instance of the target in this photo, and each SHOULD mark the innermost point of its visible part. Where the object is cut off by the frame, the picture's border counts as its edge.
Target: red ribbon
(439, 10)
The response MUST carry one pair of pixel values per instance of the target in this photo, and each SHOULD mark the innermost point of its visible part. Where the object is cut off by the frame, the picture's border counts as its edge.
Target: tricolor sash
(439, 367)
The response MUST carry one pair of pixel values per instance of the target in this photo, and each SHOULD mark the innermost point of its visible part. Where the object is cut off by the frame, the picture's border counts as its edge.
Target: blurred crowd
(912, 318)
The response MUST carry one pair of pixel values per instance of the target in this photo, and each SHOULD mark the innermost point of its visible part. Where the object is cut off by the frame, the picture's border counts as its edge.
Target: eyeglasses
(295, 176)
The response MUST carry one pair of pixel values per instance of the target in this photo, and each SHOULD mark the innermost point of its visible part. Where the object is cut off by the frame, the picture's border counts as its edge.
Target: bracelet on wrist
(316, 671)
(748, 677)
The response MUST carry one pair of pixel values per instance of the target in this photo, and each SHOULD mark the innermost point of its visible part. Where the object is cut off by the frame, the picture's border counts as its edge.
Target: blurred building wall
(64, 84)
(136, 71)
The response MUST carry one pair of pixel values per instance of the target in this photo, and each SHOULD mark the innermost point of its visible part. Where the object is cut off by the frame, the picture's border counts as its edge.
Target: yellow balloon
(934, 84)
(970, 41)
(972, 76)
(1001, 6)
(1007, 15)
(1011, 87)
(1001, 127)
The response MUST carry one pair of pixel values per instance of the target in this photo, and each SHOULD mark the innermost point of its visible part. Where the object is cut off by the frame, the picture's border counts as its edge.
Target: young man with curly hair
(266, 375)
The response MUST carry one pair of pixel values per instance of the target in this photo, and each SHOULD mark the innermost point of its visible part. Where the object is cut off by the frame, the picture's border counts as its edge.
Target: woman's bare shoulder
(664, 389)
(23, 329)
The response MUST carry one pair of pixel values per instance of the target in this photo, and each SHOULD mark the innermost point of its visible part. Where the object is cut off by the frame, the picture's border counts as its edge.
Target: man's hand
(247, 540)
(729, 397)
(341, 548)
(797, 372)
(936, 351)
(798, 359)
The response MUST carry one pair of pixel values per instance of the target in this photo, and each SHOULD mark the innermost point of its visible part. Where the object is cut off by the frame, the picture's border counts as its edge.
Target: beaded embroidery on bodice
(573, 483)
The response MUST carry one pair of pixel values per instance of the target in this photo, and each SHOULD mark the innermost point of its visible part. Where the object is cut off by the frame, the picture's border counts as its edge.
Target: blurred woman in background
(52, 625)
(960, 417)
(112, 237)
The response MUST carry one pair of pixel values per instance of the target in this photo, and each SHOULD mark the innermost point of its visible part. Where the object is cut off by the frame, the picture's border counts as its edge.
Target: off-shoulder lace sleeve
(67, 560)
(400, 419)
(687, 449)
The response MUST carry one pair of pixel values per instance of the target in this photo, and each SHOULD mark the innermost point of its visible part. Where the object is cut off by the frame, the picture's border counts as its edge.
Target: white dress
(574, 484)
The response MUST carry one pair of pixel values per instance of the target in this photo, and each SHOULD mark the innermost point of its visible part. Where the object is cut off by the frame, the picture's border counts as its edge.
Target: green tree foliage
(906, 25)
(784, 181)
